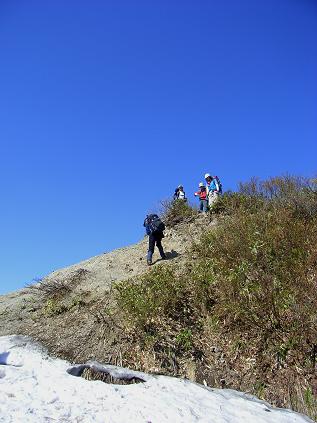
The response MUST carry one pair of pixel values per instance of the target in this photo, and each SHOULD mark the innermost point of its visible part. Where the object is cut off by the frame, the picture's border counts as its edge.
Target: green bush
(262, 275)
(184, 339)
(231, 202)
(293, 193)
(159, 292)
(177, 211)
(53, 307)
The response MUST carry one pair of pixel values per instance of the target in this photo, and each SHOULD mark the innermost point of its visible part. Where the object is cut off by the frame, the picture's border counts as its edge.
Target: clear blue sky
(106, 106)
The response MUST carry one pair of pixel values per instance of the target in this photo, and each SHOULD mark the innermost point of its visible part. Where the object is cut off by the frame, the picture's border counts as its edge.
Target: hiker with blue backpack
(154, 229)
(202, 194)
(214, 189)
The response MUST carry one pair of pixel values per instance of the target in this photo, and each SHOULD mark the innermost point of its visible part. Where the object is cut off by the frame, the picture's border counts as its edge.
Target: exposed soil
(71, 322)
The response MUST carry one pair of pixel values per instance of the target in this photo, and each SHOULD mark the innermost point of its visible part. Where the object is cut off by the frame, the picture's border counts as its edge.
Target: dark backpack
(219, 184)
(153, 224)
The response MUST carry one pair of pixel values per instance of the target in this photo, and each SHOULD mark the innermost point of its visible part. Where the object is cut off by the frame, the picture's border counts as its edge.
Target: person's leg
(151, 248)
(212, 198)
(160, 246)
(201, 205)
(204, 205)
(209, 199)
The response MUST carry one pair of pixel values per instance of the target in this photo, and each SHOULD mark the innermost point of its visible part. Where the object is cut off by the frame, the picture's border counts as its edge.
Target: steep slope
(234, 308)
(66, 310)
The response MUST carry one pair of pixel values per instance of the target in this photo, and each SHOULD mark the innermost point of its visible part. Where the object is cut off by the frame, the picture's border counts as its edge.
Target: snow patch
(37, 388)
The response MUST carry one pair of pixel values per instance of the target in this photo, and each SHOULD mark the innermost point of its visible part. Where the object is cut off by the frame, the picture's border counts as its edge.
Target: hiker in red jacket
(202, 194)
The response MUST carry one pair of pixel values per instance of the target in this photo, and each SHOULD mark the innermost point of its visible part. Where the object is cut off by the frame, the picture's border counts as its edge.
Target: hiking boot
(149, 262)
(164, 257)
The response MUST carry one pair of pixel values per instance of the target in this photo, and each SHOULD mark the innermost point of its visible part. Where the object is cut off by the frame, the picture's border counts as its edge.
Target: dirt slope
(74, 326)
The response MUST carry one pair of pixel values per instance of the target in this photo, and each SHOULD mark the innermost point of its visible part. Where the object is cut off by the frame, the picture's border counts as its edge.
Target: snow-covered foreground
(37, 388)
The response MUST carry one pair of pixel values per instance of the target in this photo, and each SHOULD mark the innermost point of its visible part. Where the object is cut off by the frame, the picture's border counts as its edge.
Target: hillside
(233, 307)
(66, 309)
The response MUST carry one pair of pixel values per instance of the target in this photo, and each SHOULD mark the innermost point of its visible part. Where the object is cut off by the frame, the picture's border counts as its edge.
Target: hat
(201, 184)
(207, 175)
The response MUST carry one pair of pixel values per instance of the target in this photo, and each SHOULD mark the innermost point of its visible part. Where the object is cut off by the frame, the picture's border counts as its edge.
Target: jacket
(213, 186)
(202, 194)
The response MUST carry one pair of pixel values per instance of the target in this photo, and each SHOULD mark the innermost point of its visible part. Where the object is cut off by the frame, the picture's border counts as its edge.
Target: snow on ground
(37, 388)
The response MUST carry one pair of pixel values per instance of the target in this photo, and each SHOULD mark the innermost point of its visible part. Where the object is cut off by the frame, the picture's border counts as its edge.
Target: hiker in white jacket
(213, 189)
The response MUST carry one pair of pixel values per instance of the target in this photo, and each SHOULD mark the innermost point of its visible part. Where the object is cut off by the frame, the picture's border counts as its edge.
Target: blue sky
(106, 106)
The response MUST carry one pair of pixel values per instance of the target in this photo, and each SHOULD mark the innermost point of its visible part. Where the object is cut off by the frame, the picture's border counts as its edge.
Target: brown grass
(243, 313)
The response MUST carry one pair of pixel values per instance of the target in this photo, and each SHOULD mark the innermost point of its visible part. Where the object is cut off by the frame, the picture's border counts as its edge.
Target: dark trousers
(155, 238)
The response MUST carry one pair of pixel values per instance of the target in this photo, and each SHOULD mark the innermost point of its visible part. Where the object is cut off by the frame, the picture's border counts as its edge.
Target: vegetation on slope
(241, 312)
(237, 310)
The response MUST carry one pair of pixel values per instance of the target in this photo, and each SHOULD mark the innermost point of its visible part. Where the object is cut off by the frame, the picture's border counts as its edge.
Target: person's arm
(147, 226)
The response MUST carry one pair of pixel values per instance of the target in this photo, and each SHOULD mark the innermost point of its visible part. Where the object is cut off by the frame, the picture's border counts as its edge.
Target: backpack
(153, 224)
(219, 184)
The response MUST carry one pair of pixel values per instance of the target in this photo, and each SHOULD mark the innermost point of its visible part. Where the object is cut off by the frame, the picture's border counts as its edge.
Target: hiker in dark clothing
(180, 193)
(154, 229)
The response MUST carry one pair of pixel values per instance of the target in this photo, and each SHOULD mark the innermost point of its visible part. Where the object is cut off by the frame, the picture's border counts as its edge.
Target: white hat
(207, 175)
(201, 184)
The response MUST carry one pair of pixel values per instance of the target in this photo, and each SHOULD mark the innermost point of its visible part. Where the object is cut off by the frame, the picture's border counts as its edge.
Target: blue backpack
(219, 184)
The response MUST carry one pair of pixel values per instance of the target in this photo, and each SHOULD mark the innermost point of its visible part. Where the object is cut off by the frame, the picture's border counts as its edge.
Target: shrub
(230, 203)
(157, 293)
(249, 282)
(51, 288)
(294, 193)
(177, 211)
(184, 339)
(53, 308)
(262, 271)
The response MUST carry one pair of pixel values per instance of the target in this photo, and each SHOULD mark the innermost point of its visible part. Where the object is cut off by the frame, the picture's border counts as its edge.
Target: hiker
(154, 229)
(214, 188)
(180, 193)
(202, 194)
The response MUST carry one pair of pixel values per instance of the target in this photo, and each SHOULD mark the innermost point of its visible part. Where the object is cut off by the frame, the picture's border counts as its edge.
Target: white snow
(37, 388)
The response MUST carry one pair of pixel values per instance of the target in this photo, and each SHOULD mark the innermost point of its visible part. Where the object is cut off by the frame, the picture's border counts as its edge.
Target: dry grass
(49, 288)
(244, 309)
(176, 211)
(91, 374)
